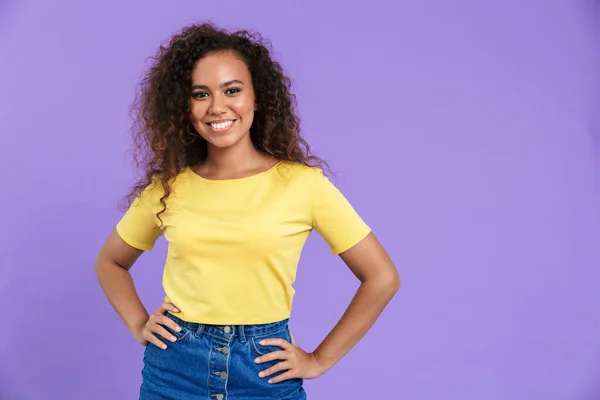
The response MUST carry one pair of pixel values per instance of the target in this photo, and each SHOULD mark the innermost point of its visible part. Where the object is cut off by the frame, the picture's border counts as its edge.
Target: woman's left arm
(380, 281)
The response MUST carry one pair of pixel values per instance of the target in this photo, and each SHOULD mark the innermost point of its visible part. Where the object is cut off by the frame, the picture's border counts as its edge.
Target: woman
(234, 189)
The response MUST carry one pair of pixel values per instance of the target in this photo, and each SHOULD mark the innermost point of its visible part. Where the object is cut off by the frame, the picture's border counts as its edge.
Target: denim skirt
(210, 362)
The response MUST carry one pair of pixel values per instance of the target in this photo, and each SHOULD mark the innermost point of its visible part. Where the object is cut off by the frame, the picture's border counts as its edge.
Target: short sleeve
(139, 226)
(334, 217)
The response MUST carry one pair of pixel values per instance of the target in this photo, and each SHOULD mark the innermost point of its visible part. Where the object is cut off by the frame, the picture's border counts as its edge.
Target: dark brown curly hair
(165, 140)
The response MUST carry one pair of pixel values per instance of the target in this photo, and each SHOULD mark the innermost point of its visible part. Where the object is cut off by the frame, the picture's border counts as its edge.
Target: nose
(217, 106)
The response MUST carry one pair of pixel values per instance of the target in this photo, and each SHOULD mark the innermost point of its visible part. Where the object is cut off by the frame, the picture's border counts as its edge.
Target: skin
(222, 90)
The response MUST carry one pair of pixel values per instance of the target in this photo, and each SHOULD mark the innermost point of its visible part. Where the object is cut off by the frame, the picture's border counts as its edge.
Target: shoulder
(301, 172)
(156, 189)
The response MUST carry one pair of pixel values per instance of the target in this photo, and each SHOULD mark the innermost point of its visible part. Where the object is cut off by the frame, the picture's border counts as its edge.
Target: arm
(379, 283)
(112, 271)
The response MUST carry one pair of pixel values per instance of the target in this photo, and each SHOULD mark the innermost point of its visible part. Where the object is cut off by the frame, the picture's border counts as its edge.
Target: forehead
(215, 68)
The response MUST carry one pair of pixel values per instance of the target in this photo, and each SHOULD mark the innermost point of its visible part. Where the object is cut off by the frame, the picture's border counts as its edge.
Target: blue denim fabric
(209, 362)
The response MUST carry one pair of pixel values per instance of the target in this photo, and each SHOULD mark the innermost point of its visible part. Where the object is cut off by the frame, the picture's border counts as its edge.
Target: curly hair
(164, 138)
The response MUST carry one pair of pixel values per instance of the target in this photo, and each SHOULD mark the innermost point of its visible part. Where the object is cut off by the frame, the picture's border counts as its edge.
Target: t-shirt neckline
(232, 180)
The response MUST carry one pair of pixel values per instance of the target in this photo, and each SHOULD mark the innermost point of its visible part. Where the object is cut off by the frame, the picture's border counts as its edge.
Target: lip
(221, 121)
(218, 121)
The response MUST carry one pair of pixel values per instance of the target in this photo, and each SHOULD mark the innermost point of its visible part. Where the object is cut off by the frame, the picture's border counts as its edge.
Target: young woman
(234, 189)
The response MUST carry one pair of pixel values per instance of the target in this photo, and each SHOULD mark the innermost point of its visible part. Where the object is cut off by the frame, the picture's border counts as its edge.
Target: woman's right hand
(153, 329)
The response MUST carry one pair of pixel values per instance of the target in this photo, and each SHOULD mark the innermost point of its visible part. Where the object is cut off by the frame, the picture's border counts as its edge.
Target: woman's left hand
(296, 362)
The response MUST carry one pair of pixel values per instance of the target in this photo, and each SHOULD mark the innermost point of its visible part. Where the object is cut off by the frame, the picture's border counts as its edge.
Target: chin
(224, 141)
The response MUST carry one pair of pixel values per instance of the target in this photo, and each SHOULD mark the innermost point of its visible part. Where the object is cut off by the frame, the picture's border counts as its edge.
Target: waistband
(227, 332)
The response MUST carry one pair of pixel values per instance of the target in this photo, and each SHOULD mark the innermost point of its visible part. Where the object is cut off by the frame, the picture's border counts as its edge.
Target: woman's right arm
(112, 270)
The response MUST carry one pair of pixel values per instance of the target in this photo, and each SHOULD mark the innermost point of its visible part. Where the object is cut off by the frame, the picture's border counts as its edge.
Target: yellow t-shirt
(234, 245)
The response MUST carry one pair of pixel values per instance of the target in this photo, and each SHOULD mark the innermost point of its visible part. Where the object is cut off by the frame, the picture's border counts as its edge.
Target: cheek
(197, 111)
(244, 106)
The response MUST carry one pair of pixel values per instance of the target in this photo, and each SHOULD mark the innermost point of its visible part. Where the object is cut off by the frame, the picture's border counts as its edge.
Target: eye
(199, 95)
(233, 91)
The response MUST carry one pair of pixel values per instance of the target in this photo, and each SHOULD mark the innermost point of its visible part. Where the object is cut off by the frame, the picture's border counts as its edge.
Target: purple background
(467, 133)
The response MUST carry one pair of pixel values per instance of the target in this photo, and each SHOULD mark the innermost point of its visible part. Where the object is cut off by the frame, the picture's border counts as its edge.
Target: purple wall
(466, 135)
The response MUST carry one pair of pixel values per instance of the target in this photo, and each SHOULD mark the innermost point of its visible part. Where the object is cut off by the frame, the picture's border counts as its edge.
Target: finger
(170, 323)
(274, 355)
(159, 330)
(275, 368)
(284, 344)
(293, 340)
(152, 339)
(283, 377)
(168, 307)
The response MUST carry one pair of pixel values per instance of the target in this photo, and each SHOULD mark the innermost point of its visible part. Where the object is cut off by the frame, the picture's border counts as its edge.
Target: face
(222, 103)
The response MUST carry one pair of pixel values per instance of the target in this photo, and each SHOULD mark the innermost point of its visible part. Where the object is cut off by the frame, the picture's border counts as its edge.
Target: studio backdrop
(466, 133)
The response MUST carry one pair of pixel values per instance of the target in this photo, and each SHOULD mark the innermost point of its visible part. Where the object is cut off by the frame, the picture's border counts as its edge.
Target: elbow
(394, 283)
(390, 281)
(387, 285)
(99, 268)
(397, 282)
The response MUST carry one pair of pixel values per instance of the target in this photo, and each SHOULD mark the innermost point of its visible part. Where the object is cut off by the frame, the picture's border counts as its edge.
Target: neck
(237, 158)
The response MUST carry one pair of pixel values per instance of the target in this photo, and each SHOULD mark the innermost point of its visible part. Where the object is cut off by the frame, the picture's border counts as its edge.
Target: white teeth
(222, 125)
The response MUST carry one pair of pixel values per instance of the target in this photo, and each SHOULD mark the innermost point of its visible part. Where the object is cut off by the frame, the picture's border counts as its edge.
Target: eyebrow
(222, 85)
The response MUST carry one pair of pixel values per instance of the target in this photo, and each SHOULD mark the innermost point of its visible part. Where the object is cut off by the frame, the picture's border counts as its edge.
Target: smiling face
(222, 102)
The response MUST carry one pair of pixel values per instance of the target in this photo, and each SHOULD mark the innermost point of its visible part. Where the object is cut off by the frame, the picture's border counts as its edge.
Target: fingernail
(164, 346)
(262, 342)
(173, 338)
(257, 360)
(178, 329)
(261, 374)
(270, 381)
(176, 309)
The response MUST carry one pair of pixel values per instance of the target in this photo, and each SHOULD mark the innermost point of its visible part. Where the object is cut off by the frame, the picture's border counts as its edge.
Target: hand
(153, 327)
(297, 362)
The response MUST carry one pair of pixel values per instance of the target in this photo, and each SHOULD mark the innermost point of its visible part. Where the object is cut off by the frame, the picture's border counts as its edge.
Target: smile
(221, 126)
